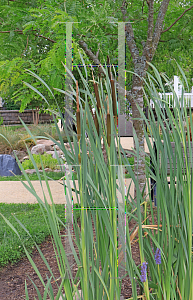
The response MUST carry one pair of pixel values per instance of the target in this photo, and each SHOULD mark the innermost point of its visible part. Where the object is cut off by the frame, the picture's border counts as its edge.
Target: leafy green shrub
(47, 160)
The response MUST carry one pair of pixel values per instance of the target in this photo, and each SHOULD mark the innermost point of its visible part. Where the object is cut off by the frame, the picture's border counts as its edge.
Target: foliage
(32, 177)
(10, 104)
(173, 220)
(11, 139)
(16, 137)
(30, 215)
(98, 171)
(164, 235)
(1, 121)
(33, 36)
(47, 160)
(95, 27)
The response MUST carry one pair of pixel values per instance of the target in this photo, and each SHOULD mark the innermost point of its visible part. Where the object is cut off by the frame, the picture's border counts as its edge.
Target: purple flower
(143, 272)
(158, 256)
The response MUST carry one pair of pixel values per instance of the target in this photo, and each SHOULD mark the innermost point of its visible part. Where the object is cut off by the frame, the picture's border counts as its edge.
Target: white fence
(170, 99)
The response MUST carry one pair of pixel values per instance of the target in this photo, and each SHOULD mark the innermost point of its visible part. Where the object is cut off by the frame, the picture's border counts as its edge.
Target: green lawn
(30, 215)
(50, 175)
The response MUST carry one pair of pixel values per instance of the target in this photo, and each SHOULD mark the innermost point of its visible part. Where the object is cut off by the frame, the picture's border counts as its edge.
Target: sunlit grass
(30, 215)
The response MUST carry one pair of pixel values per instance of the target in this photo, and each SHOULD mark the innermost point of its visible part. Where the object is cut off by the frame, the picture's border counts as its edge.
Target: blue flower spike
(158, 256)
(143, 276)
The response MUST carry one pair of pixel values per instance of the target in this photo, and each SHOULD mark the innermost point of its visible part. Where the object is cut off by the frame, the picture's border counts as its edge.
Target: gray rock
(25, 157)
(48, 170)
(30, 171)
(19, 154)
(45, 142)
(8, 165)
(53, 153)
(57, 147)
(50, 152)
(40, 149)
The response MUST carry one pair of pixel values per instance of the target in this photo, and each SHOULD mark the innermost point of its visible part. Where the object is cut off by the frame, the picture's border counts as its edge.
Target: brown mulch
(12, 277)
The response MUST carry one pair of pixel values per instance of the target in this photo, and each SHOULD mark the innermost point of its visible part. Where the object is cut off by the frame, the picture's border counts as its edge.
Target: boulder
(40, 149)
(19, 153)
(45, 142)
(56, 147)
(25, 157)
(54, 154)
(59, 154)
(8, 165)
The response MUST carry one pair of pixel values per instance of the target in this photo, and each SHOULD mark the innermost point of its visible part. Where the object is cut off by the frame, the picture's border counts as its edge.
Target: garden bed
(12, 277)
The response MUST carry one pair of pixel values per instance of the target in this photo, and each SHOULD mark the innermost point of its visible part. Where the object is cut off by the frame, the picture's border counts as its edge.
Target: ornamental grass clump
(169, 229)
(105, 255)
(96, 194)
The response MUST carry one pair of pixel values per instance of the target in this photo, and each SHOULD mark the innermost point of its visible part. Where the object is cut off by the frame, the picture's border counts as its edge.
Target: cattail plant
(167, 274)
(78, 113)
(98, 106)
(78, 120)
(108, 124)
(114, 102)
(113, 93)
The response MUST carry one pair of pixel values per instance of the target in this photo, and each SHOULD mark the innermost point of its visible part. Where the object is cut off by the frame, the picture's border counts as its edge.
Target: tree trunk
(35, 115)
(138, 125)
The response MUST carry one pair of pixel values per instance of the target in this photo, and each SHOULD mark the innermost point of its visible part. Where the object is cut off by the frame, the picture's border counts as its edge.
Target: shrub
(12, 139)
(47, 160)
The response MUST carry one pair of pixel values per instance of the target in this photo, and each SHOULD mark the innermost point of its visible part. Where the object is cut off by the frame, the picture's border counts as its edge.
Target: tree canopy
(32, 36)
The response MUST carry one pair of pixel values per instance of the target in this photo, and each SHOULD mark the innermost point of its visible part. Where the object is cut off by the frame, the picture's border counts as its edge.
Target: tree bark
(138, 125)
(140, 69)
